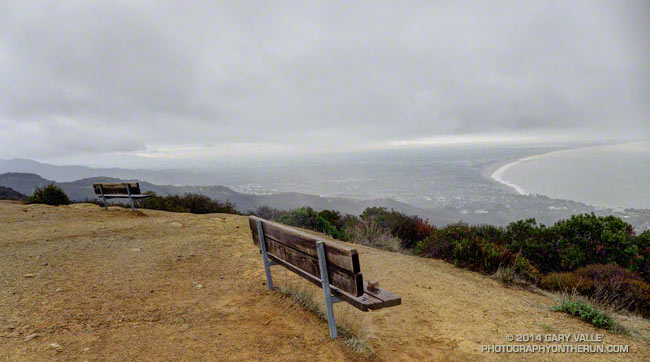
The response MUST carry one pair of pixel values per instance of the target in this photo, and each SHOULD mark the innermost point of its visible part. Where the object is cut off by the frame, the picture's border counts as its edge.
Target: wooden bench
(312, 257)
(119, 190)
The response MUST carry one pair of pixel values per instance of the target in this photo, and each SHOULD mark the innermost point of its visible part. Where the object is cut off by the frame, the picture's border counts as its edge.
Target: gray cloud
(81, 77)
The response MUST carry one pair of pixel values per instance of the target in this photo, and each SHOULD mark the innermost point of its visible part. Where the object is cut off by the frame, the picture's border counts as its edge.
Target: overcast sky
(185, 81)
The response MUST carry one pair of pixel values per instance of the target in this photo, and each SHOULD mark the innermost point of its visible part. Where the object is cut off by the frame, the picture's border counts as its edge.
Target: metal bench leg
(128, 188)
(265, 257)
(322, 262)
(101, 189)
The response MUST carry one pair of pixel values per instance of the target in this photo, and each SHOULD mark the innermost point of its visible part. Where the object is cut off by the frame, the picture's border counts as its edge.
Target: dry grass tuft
(304, 297)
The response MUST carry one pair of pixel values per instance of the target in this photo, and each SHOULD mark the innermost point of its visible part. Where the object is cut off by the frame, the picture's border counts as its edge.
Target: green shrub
(536, 243)
(192, 203)
(49, 195)
(586, 312)
(590, 239)
(307, 218)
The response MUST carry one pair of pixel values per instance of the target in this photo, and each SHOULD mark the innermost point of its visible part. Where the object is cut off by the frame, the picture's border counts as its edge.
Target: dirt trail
(115, 285)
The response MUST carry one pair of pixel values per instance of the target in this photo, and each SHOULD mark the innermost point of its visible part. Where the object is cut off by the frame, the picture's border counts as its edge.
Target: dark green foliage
(193, 203)
(387, 219)
(590, 239)
(472, 247)
(333, 217)
(535, 243)
(643, 259)
(49, 195)
(586, 312)
(7, 193)
(307, 218)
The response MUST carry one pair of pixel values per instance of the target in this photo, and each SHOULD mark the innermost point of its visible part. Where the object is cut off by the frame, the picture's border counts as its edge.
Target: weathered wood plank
(117, 188)
(350, 283)
(389, 299)
(120, 196)
(363, 303)
(339, 255)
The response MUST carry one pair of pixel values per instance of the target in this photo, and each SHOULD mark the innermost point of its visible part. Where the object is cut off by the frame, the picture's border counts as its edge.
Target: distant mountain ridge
(73, 173)
(81, 190)
(165, 182)
(7, 193)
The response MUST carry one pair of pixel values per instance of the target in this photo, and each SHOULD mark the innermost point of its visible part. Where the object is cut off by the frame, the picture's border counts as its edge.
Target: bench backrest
(117, 188)
(297, 248)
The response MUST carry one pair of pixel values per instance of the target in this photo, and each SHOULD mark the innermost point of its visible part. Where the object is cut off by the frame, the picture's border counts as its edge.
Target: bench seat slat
(389, 299)
(339, 255)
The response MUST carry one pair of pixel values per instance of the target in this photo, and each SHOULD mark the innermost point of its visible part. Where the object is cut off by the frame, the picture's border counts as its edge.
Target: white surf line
(496, 176)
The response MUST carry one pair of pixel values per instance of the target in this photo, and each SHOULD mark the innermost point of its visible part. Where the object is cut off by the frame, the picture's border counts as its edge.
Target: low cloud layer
(181, 80)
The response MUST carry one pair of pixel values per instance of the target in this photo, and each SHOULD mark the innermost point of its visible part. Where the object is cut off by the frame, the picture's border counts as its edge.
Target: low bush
(368, 232)
(49, 195)
(469, 247)
(566, 282)
(608, 285)
(410, 230)
(268, 213)
(192, 203)
(587, 312)
(307, 218)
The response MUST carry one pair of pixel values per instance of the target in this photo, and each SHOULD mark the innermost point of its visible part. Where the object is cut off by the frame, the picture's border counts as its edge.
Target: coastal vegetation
(598, 257)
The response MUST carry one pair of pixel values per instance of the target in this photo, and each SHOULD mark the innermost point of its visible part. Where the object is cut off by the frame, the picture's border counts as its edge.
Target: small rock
(86, 349)
(30, 275)
(31, 336)
(197, 285)
(136, 249)
(11, 328)
(56, 346)
(24, 210)
(59, 290)
(176, 225)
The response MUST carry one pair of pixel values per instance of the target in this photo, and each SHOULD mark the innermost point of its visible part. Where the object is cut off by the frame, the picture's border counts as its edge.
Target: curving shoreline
(497, 175)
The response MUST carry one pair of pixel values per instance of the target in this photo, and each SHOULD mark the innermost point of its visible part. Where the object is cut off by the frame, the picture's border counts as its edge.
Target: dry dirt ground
(95, 285)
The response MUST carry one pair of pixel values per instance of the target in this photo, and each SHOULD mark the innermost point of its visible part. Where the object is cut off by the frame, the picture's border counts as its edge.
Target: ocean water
(615, 176)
